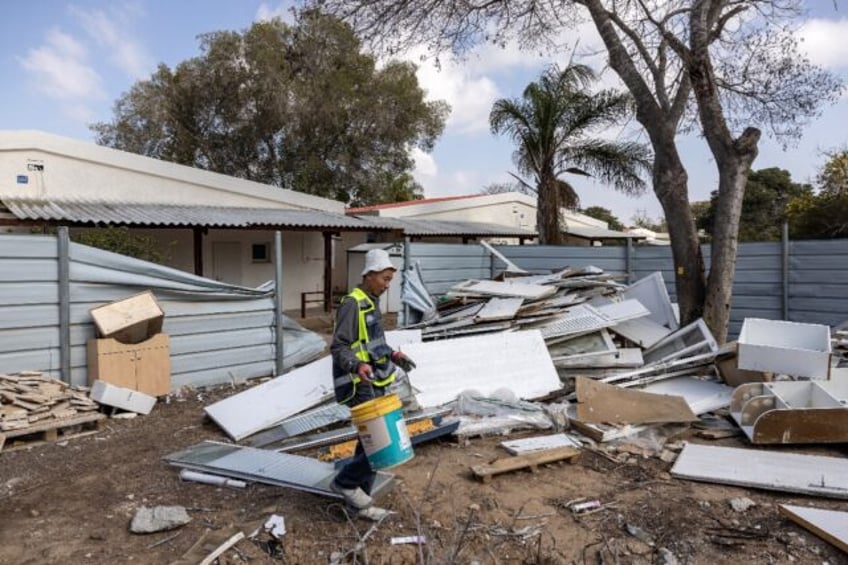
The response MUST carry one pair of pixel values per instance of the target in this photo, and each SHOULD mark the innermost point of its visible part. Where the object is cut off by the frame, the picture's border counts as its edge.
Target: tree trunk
(548, 211)
(670, 186)
(733, 170)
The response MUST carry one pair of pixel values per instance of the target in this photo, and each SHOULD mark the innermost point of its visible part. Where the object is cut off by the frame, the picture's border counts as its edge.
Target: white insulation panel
(518, 361)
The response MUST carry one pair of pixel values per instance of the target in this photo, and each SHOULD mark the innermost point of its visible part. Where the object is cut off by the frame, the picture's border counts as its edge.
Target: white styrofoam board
(769, 470)
(651, 292)
(789, 348)
(831, 525)
(540, 443)
(518, 361)
(499, 309)
(123, 398)
(266, 404)
(701, 395)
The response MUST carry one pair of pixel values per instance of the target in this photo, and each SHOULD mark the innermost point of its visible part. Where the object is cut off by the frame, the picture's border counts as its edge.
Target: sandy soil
(72, 504)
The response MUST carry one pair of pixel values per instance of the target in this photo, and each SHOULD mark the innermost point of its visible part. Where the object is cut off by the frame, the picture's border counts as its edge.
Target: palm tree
(550, 126)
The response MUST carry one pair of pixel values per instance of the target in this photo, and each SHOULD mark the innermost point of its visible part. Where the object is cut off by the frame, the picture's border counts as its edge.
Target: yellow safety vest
(364, 347)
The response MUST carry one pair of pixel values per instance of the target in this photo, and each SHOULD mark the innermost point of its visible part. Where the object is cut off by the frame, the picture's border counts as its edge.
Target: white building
(509, 209)
(210, 224)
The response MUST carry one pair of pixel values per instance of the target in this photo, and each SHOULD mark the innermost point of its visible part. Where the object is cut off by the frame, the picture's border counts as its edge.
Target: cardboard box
(790, 348)
(731, 374)
(145, 366)
(131, 320)
(122, 398)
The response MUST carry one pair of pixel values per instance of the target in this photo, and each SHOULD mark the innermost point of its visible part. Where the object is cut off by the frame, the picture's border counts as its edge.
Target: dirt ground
(72, 503)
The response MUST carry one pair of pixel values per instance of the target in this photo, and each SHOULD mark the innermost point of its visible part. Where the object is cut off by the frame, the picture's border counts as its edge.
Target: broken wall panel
(505, 289)
(497, 309)
(518, 361)
(268, 403)
(830, 525)
(770, 470)
(609, 404)
(652, 293)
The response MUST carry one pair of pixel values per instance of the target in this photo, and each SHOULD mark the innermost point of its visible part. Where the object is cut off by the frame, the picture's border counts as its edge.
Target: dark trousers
(357, 472)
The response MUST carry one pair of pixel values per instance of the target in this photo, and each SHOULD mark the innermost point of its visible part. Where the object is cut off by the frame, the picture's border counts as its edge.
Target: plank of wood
(2, 441)
(531, 460)
(830, 525)
(222, 548)
(603, 403)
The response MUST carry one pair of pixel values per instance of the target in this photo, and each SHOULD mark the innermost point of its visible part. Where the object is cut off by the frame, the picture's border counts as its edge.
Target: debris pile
(27, 398)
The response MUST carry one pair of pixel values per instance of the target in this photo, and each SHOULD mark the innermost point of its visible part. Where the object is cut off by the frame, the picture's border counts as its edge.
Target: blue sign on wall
(23, 179)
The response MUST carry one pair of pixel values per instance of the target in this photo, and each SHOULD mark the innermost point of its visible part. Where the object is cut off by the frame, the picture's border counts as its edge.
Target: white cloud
(113, 32)
(425, 164)
(60, 69)
(267, 12)
(470, 95)
(824, 42)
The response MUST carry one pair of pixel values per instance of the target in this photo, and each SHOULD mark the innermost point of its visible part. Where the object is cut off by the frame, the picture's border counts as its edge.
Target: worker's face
(377, 282)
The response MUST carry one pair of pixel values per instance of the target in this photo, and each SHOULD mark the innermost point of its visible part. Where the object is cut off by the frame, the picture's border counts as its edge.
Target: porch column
(198, 251)
(328, 271)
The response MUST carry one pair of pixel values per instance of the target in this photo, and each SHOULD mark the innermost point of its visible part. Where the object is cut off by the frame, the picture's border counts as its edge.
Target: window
(260, 252)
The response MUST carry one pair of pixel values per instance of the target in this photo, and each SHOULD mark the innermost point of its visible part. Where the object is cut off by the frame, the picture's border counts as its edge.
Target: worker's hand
(402, 361)
(365, 373)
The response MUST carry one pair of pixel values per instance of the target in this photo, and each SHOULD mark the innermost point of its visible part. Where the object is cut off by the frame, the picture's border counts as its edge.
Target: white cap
(377, 260)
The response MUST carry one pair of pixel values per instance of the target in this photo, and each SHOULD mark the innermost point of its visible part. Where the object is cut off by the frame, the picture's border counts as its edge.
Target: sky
(64, 64)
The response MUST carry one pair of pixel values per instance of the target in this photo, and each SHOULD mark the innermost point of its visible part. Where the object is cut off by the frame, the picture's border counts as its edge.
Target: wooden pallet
(529, 461)
(52, 431)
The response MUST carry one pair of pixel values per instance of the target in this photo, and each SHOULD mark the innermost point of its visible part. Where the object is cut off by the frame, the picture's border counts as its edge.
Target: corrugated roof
(410, 203)
(187, 216)
(600, 233)
(448, 228)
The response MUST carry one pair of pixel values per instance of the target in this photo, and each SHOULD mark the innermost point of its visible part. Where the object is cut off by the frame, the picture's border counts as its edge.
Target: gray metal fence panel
(547, 258)
(29, 298)
(218, 332)
(818, 274)
(445, 264)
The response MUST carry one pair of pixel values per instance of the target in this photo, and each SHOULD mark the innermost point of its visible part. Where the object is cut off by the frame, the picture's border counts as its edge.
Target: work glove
(403, 361)
(365, 372)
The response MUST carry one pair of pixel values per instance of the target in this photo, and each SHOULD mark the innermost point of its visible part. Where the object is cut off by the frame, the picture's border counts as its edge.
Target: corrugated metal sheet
(264, 466)
(219, 333)
(125, 213)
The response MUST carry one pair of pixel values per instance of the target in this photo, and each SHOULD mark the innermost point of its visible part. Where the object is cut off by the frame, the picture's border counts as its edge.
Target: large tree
(767, 193)
(823, 215)
(298, 106)
(551, 125)
(714, 66)
(605, 215)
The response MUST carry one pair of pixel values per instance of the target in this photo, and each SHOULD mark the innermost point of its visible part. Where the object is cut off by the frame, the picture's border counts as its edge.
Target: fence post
(64, 272)
(628, 261)
(785, 249)
(278, 300)
(407, 264)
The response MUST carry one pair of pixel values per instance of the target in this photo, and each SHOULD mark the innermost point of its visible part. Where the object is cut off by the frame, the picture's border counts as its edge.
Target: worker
(363, 367)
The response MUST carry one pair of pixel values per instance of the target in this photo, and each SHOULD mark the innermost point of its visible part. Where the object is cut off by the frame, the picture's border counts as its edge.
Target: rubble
(148, 520)
(28, 397)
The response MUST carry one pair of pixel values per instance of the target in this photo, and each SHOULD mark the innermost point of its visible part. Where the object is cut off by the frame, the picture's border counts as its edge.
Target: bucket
(382, 431)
